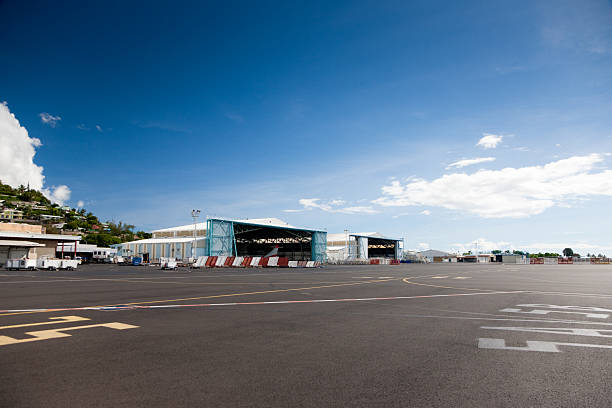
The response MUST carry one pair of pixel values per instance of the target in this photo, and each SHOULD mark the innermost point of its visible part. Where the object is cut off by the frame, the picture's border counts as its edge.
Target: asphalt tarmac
(340, 336)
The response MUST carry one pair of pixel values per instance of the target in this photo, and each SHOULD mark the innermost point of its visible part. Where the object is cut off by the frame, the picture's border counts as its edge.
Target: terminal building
(30, 241)
(222, 237)
(362, 246)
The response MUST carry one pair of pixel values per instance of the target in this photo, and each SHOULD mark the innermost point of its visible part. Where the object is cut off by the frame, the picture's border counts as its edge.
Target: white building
(178, 242)
(362, 246)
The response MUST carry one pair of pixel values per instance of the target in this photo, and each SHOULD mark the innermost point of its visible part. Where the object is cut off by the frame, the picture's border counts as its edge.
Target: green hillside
(24, 205)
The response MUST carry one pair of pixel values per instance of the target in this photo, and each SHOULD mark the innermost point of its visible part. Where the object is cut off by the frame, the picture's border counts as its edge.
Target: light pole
(346, 243)
(194, 214)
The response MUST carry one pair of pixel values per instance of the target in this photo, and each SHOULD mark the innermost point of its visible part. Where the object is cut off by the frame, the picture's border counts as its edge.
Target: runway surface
(372, 336)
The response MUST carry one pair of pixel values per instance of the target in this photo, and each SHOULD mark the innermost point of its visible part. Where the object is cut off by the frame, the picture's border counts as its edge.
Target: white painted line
(463, 277)
(542, 346)
(279, 302)
(556, 330)
(439, 277)
(545, 312)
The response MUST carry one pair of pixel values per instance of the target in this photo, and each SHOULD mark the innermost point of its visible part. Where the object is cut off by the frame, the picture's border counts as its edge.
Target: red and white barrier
(220, 261)
(210, 262)
(238, 261)
(255, 261)
(200, 262)
(273, 261)
(292, 264)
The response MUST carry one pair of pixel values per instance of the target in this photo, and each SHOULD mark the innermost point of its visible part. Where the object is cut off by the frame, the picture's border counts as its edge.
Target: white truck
(168, 263)
(51, 264)
(21, 263)
(69, 264)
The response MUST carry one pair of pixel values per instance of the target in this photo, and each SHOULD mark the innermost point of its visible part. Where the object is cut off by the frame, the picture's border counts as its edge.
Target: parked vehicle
(104, 255)
(50, 264)
(69, 264)
(22, 263)
(168, 263)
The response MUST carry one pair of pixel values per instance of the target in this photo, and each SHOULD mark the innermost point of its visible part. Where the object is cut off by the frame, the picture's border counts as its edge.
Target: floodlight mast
(194, 214)
(346, 244)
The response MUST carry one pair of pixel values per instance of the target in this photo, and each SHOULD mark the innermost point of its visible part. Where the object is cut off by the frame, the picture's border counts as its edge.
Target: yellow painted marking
(56, 320)
(218, 296)
(59, 333)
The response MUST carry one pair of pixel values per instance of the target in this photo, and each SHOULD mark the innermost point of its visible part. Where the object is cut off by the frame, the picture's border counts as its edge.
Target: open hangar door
(227, 237)
(382, 248)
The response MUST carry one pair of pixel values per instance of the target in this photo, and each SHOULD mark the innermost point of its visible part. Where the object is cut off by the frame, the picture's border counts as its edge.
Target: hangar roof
(274, 222)
(342, 236)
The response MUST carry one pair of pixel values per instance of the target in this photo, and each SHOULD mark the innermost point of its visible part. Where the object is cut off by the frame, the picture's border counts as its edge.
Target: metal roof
(273, 222)
(342, 236)
(169, 240)
(12, 243)
(260, 222)
(30, 235)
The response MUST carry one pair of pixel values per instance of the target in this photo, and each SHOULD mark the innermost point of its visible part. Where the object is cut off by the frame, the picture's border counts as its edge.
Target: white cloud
(57, 194)
(468, 162)
(509, 192)
(49, 119)
(489, 141)
(82, 126)
(485, 245)
(80, 204)
(17, 153)
(580, 247)
(425, 212)
(17, 158)
(481, 245)
(358, 210)
(333, 206)
(292, 211)
(99, 128)
(234, 117)
(423, 245)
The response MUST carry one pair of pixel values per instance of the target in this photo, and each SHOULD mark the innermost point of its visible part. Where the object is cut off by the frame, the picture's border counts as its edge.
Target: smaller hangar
(361, 246)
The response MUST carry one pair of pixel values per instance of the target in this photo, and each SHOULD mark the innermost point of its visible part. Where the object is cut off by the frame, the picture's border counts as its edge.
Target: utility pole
(346, 243)
(194, 214)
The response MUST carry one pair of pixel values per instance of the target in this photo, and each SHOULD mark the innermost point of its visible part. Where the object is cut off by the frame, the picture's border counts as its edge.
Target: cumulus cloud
(580, 247)
(17, 158)
(49, 119)
(509, 192)
(17, 153)
(469, 162)
(489, 141)
(57, 194)
(484, 245)
(234, 117)
(99, 128)
(80, 204)
(425, 212)
(481, 245)
(334, 206)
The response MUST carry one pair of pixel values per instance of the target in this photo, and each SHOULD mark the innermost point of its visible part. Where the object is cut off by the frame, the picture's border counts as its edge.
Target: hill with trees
(24, 205)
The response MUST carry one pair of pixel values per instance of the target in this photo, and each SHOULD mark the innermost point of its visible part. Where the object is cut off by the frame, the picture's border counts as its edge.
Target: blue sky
(326, 114)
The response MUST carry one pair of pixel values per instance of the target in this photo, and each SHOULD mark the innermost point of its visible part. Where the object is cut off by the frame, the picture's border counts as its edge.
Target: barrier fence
(251, 261)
